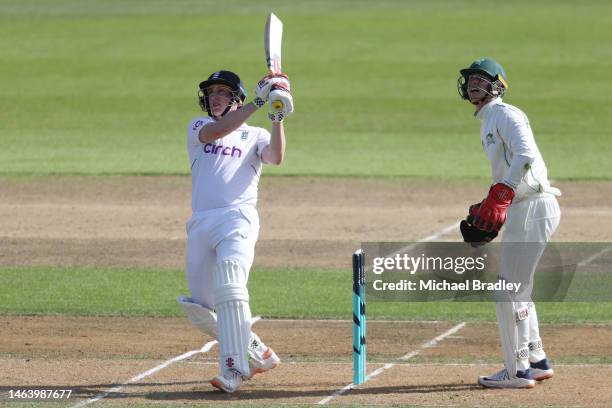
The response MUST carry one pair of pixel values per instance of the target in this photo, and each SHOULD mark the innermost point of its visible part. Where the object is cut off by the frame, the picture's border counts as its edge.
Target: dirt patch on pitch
(105, 337)
(306, 221)
(93, 354)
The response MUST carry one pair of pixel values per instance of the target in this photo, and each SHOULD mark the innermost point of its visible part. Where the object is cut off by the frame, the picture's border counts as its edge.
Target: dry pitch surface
(139, 221)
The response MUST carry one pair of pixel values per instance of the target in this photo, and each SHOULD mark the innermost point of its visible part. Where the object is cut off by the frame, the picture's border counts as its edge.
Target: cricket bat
(273, 37)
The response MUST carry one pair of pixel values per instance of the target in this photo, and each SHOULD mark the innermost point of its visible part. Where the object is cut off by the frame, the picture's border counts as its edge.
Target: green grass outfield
(108, 86)
(294, 293)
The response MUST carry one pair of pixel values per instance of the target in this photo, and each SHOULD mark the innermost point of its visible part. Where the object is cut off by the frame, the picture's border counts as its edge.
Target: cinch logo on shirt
(222, 150)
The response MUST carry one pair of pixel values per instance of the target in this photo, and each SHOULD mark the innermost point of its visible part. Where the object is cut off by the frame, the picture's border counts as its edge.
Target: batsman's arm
(274, 153)
(227, 124)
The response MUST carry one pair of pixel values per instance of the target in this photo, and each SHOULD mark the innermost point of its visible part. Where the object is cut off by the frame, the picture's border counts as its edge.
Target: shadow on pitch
(202, 391)
(257, 394)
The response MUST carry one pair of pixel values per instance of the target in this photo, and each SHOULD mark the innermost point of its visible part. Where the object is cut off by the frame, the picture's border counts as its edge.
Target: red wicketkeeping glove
(490, 215)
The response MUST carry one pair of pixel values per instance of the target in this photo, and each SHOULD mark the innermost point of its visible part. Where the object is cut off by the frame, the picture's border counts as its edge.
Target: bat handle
(277, 104)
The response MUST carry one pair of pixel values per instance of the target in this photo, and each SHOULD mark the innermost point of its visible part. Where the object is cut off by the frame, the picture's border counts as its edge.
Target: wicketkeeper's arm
(517, 135)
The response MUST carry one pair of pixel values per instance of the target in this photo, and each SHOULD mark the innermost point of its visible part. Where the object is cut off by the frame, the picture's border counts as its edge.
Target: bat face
(272, 41)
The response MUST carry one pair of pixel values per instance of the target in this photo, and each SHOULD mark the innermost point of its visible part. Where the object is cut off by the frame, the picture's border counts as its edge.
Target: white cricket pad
(513, 322)
(536, 350)
(257, 347)
(233, 317)
(200, 316)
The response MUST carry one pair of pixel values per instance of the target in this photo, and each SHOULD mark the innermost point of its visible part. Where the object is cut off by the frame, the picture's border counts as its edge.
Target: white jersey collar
(243, 126)
(485, 110)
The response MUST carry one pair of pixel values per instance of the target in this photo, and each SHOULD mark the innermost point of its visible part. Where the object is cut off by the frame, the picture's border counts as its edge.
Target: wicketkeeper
(522, 199)
(226, 157)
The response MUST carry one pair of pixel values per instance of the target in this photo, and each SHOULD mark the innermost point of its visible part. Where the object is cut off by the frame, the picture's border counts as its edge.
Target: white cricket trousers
(529, 226)
(217, 235)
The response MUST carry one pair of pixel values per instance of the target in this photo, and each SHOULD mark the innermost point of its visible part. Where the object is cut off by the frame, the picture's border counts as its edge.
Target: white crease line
(443, 231)
(428, 238)
(593, 257)
(205, 349)
(405, 357)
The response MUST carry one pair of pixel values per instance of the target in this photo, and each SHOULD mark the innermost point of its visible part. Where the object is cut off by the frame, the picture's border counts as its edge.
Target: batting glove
(276, 117)
(281, 104)
(267, 83)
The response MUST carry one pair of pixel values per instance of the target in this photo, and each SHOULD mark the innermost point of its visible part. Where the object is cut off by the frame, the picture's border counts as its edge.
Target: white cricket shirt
(509, 144)
(225, 172)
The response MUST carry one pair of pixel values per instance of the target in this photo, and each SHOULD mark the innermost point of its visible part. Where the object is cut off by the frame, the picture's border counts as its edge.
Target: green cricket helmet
(490, 69)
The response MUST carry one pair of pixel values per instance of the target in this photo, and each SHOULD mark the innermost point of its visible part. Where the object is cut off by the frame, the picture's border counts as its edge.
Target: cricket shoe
(261, 357)
(228, 382)
(541, 370)
(522, 379)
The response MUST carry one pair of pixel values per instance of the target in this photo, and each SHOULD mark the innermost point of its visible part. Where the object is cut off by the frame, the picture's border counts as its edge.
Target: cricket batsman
(226, 157)
(522, 199)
